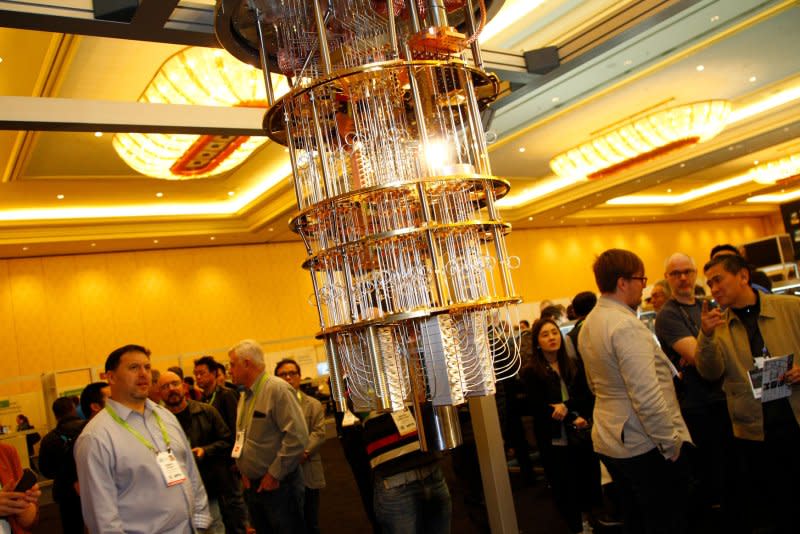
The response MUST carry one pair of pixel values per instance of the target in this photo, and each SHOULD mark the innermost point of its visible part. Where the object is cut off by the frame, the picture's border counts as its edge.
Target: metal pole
(324, 53)
(264, 60)
(476, 48)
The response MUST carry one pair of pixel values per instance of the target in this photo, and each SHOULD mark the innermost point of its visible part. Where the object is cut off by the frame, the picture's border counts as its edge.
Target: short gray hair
(249, 349)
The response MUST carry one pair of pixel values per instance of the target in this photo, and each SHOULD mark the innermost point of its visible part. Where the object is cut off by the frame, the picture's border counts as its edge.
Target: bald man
(702, 402)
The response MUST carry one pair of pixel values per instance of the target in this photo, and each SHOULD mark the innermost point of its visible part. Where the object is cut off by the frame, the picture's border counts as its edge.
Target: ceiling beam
(73, 115)
(149, 23)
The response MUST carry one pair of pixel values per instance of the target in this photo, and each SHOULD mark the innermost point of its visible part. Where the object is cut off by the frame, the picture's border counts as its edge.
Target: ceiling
(64, 189)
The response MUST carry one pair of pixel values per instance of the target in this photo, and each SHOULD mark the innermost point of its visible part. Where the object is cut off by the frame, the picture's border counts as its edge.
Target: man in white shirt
(638, 429)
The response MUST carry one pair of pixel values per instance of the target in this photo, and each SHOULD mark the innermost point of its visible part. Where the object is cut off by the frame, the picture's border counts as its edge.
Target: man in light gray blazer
(311, 464)
(638, 430)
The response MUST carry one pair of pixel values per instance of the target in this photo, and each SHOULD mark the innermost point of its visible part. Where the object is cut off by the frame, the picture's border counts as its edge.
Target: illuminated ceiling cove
(67, 98)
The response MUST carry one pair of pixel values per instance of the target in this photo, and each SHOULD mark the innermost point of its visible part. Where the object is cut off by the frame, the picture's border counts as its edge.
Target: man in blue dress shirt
(136, 470)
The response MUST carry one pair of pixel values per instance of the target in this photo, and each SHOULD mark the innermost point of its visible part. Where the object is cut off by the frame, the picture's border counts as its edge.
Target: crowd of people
(684, 421)
(675, 416)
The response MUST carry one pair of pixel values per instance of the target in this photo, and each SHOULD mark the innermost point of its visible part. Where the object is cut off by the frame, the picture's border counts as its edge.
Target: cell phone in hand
(27, 481)
(710, 300)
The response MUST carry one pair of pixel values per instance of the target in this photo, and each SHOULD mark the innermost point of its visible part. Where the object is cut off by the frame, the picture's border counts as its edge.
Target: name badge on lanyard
(170, 468)
(236, 452)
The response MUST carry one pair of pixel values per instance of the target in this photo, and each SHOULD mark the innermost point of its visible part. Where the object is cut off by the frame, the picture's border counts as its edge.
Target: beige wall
(71, 311)
(557, 262)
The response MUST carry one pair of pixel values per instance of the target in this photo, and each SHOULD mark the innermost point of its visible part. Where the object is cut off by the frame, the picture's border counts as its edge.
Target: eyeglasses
(678, 274)
(642, 279)
(288, 374)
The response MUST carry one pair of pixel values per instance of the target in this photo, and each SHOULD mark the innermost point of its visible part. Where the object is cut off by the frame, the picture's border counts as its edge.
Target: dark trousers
(766, 484)
(279, 511)
(232, 508)
(71, 517)
(710, 461)
(311, 506)
(573, 473)
(653, 492)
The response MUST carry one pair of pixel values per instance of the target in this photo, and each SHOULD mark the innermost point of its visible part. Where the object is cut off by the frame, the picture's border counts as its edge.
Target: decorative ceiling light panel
(643, 139)
(196, 76)
(775, 171)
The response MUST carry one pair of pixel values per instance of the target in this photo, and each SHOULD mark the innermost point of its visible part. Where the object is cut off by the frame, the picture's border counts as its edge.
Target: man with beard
(211, 442)
(135, 467)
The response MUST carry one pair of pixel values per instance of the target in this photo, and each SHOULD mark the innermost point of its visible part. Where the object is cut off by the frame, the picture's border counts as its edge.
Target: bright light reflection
(549, 185)
(778, 99)
(716, 187)
(511, 12)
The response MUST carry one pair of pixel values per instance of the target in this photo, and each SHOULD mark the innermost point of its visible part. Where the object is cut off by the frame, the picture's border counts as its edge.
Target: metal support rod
(323, 156)
(437, 13)
(392, 28)
(264, 60)
(378, 369)
(413, 15)
(475, 46)
(335, 371)
(293, 159)
(316, 298)
(324, 53)
(494, 468)
(414, 368)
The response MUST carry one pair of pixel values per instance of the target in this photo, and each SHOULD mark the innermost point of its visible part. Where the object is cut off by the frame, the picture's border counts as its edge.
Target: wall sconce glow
(775, 171)
(197, 76)
(643, 139)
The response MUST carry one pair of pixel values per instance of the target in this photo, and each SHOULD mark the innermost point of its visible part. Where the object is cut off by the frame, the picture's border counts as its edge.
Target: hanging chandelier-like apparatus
(395, 195)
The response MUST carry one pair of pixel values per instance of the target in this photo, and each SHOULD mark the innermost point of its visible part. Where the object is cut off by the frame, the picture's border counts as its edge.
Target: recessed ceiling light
(1, 60)
(755, 162)
(683, 165)
(155, 241)
(715, 18)
(700, 68)
(24, 248)
(212, 238)
(98, 134)
(522, 149)
(530, 218)
(669, 190)
(231, 193)
(60, 197)
(555, 99)
(159, 194)
(627, 62)
(272, 229)
(93, 245)
(752, 79)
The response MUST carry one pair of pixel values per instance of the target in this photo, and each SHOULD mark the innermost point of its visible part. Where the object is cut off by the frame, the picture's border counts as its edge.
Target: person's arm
(686, 348)
(223, 439)
(637, 367)
(95, 464)
(292, 425)
(316, 427)
(201, 515)
(709, 360)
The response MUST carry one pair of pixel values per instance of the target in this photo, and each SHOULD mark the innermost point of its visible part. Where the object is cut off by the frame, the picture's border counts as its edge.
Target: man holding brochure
(753, 345)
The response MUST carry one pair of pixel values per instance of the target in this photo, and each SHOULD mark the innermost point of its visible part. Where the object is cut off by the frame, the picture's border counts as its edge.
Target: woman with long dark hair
(562, 405)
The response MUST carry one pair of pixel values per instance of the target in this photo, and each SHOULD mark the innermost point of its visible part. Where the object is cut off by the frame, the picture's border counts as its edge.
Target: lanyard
(249, 405)
(124, 424)
(214, 396)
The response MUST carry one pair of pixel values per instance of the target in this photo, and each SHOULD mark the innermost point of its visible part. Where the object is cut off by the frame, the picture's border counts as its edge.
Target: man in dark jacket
(55, 454)
(211, 442)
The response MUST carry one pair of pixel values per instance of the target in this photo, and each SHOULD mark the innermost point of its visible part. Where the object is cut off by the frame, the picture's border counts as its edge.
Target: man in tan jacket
(638, 429)
(731, 344)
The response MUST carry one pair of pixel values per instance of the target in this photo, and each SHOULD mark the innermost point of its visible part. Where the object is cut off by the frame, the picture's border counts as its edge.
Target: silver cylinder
(442, 428)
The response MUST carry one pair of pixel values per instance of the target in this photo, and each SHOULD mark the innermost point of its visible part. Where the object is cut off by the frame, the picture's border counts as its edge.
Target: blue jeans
(416, 506)
(279, 511)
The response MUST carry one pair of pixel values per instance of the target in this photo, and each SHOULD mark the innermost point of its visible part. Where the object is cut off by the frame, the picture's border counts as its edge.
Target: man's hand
(268, 483)
(580, 422)
(792, 376)
(710, 319)
(198, 452)
(559, 411)
(305, 457)
(14, 502)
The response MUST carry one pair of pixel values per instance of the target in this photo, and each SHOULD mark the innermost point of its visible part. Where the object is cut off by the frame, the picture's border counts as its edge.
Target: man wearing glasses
(702, 402)
(311, 464)
(638, 430)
